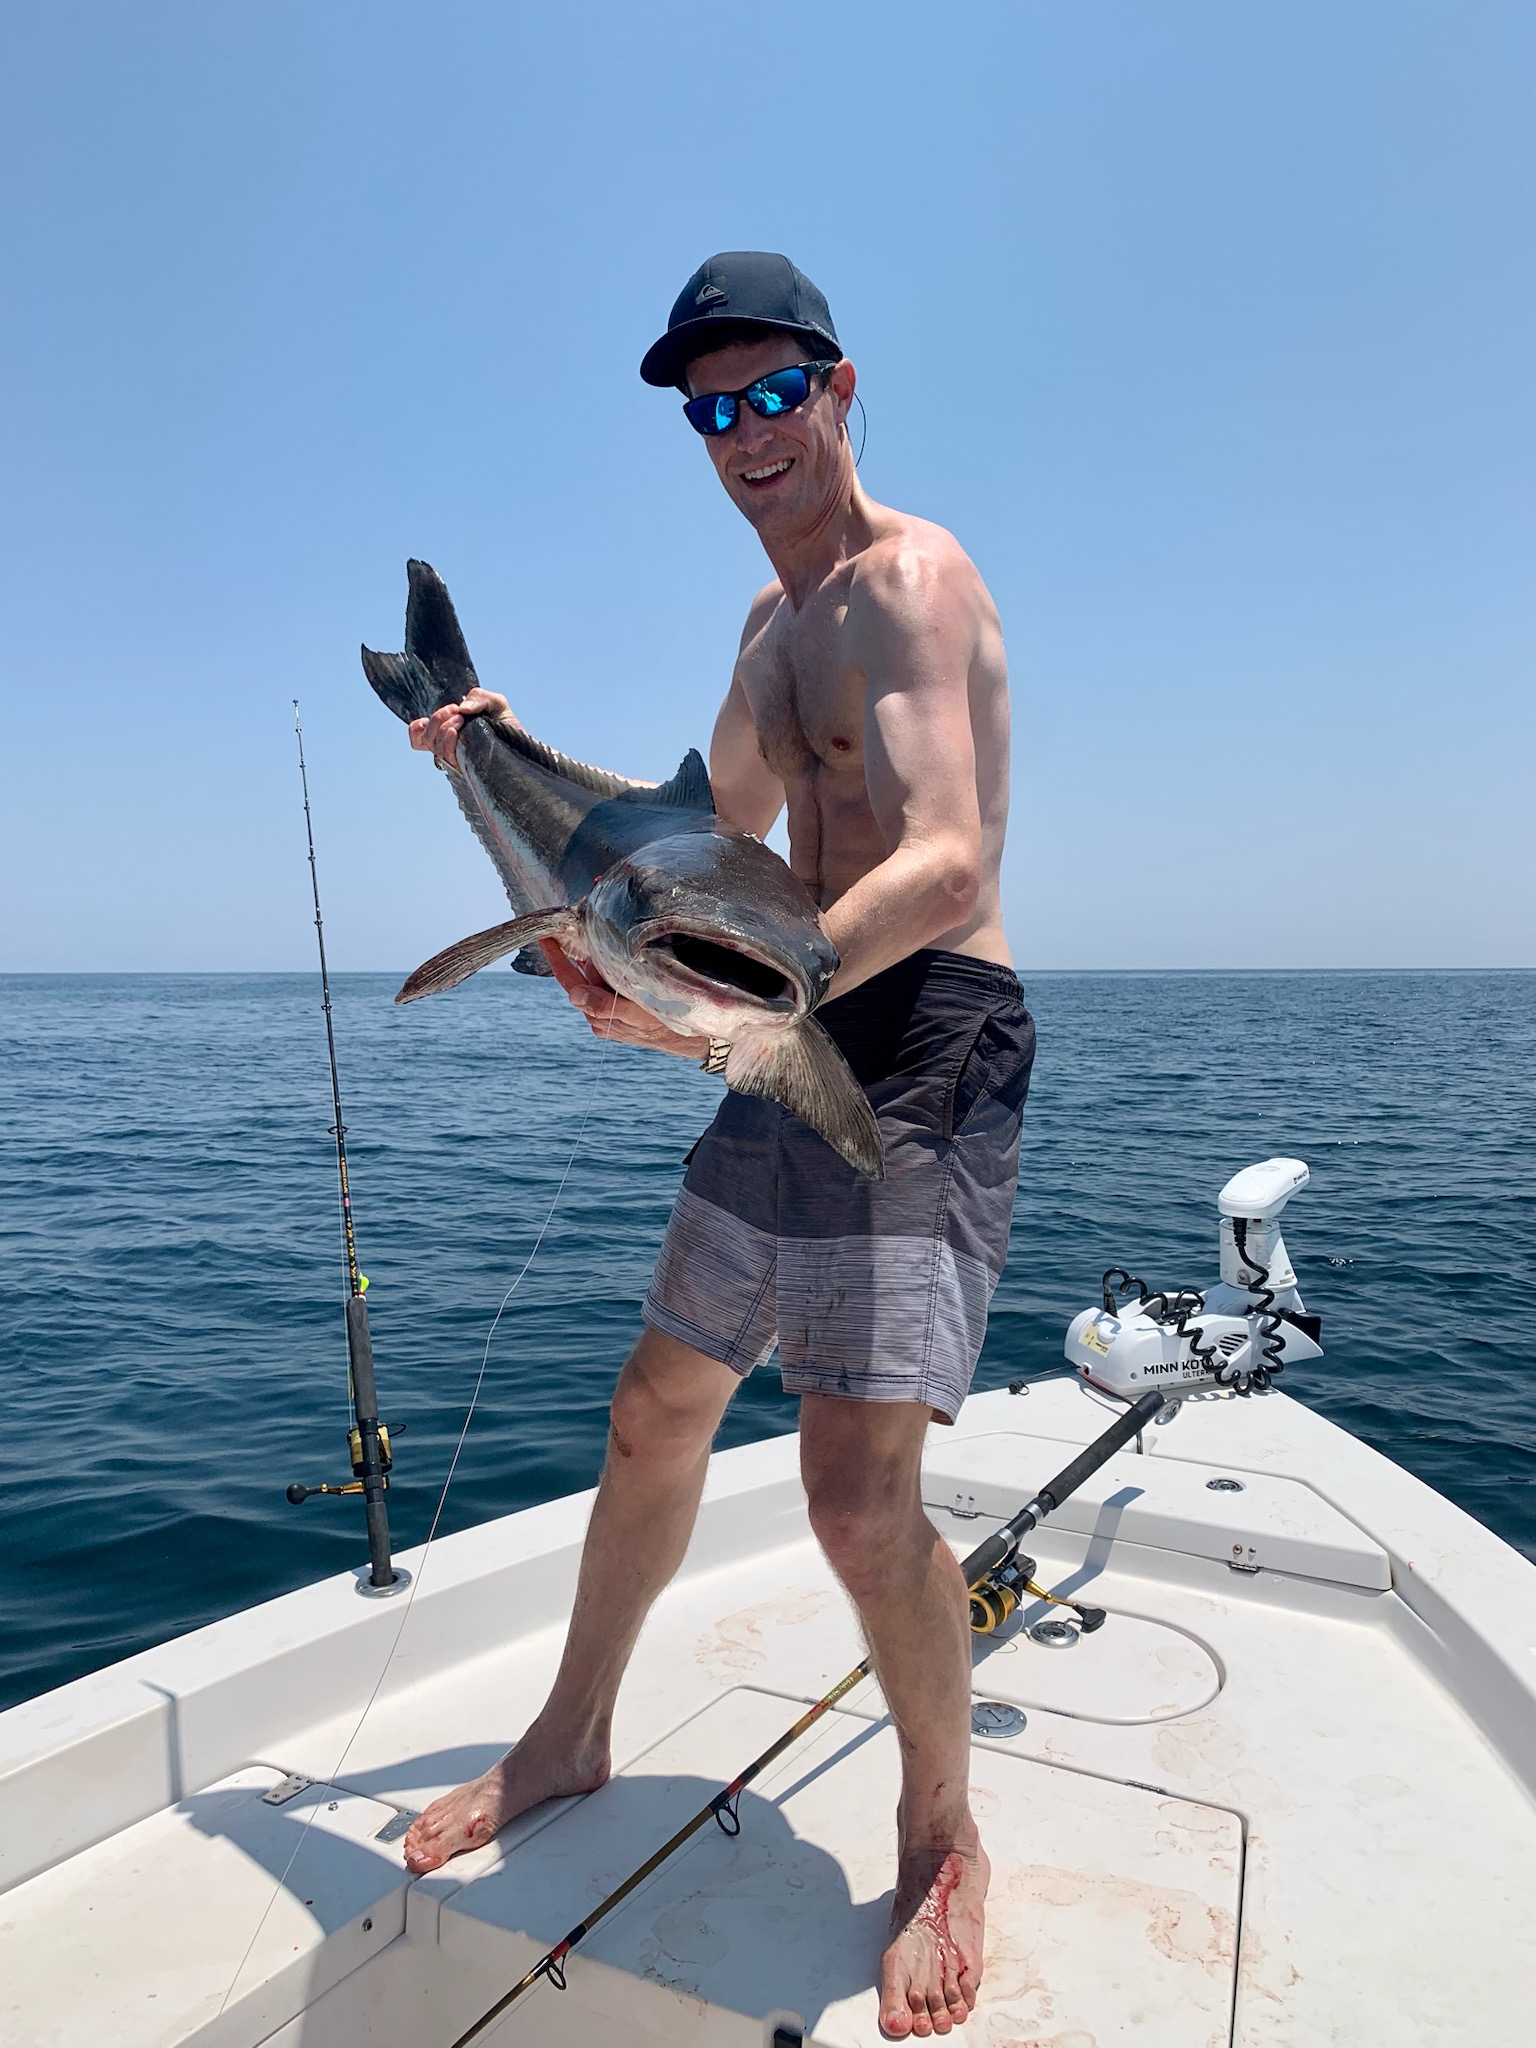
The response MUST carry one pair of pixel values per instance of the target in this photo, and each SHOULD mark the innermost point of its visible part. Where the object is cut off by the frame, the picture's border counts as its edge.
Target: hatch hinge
(286, 1789)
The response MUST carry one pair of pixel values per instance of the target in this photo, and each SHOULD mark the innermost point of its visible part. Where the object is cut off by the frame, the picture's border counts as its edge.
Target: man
(870, 697)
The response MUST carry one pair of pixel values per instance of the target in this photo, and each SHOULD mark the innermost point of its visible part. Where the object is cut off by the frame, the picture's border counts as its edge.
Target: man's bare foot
(930, 1973)
(540, 1767)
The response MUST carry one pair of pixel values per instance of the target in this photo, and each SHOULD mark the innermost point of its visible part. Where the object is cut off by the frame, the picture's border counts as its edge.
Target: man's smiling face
(785, 472)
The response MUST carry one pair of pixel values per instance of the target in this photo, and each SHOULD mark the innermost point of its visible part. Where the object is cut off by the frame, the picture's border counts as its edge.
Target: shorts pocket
(994, 1077)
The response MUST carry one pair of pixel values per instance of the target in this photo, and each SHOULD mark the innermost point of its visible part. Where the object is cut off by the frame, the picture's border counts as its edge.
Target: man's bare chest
(805, 692)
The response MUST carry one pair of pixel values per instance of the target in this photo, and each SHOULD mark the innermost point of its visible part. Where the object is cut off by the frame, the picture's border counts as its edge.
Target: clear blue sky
(1208, 328)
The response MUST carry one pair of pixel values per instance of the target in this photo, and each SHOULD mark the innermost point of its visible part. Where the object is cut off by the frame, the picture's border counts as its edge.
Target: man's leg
(666, 1409)
(861, 1465)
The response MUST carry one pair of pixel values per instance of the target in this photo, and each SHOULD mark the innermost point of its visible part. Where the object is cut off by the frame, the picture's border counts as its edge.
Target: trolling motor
(1238, 1334)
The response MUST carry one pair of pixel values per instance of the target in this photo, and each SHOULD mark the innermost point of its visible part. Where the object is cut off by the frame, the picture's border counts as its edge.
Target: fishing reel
(1003, 1591)
(297, 1493)
(1238, 1334)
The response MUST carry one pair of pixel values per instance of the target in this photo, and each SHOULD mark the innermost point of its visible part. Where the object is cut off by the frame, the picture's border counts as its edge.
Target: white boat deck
(1283, 1796)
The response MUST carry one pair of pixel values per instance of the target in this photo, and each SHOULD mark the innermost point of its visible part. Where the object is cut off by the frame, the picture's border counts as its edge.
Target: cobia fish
(701, 925)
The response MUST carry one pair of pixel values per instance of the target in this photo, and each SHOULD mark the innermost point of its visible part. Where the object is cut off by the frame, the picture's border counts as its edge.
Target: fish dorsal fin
(688, 789)
(599, 780)
(433, 633)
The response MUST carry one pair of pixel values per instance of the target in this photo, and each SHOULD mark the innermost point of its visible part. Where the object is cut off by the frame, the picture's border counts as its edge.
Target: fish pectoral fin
(801, 1067)
(458, 962)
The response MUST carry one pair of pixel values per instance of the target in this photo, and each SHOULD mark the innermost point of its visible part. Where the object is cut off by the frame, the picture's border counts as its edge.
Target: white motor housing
(1248, 1325)
(1255, 1198)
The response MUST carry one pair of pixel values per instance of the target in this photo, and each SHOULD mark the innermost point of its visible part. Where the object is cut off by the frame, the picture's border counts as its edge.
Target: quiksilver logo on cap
(709, 295)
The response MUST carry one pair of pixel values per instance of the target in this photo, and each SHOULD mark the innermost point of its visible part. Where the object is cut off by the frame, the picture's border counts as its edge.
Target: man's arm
(748, 794)
(913, 632)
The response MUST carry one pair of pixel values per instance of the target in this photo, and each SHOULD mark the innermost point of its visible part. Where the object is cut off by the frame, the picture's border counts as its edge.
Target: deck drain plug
(1223, 1486)
(1051, 1634)
(995, 1717)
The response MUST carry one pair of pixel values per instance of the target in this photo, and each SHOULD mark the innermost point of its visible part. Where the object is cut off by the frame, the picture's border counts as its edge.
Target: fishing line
(442, 1501)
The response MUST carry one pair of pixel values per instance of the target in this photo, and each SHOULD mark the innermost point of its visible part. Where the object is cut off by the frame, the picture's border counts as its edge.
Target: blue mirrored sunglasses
(716, 412)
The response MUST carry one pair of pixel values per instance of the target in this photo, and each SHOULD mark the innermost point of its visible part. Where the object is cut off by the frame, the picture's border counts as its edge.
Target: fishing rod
(368, 1439)
(986, 1561)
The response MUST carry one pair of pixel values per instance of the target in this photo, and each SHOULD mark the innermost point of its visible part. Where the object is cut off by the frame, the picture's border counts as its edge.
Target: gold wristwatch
(714, 1060)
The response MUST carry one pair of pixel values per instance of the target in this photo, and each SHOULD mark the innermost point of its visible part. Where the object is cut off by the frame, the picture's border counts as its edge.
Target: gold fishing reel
(297, 1493)
(1001, 1592)
(355, 1449)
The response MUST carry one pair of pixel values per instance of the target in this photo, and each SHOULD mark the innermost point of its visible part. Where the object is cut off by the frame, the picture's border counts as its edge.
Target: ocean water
(172, 1350)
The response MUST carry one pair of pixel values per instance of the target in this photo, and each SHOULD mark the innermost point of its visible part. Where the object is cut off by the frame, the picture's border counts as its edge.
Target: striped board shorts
(870, 1290)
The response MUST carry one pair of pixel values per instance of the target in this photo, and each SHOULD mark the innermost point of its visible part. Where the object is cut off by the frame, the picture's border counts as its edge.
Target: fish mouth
(719, 966)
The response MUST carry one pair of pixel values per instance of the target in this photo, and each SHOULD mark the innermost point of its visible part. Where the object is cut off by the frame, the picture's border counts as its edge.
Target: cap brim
(665, 361)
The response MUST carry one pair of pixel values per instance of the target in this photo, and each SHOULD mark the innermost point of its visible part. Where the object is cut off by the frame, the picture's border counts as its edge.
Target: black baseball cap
(734, 297)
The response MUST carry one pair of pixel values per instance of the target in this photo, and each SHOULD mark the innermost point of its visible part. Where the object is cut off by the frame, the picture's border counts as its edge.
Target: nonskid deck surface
(1124, 1899)
(1261, 1805)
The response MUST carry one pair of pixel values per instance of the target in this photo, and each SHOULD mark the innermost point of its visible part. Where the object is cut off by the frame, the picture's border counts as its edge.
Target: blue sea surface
(172, 1350)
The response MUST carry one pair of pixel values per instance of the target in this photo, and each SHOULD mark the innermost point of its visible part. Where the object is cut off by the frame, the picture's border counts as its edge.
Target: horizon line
(288, 973)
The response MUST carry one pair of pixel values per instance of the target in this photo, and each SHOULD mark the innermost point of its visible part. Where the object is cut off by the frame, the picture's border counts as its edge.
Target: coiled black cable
(1175, 1311)
(1127, 1282)
(1172, 1311)
(1271, 1330)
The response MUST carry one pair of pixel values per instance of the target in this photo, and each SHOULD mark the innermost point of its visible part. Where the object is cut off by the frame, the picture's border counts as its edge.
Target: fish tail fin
(433, 633)
(465, 957)
(801, 1067)
(435, 668)
(400, 681)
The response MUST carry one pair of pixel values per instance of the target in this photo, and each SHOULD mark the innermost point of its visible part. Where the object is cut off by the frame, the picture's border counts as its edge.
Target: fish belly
(527, 873)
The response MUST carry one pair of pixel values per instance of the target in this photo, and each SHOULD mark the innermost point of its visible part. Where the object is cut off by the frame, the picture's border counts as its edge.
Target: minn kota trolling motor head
(1237, 1334)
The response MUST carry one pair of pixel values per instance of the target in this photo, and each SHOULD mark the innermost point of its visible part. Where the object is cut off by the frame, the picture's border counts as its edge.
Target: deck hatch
(1164, 1503)
(1109, 1900)
(154, 1922)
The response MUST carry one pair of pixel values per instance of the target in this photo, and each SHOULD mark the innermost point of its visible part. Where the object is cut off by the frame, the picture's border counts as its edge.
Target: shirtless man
(870, 697)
